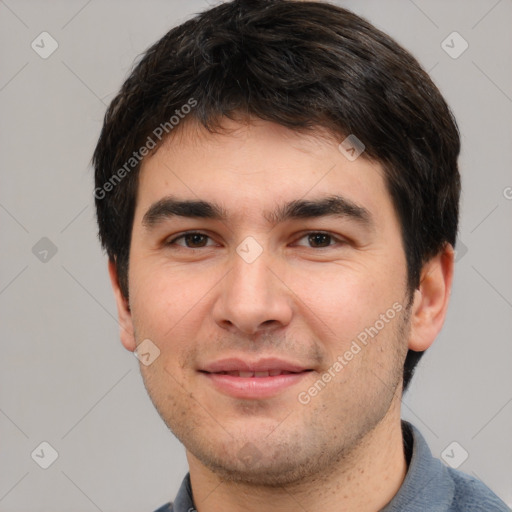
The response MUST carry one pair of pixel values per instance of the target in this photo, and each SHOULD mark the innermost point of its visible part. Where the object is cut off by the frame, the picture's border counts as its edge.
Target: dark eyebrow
(331, 205)
(298, 209)
(170, 207)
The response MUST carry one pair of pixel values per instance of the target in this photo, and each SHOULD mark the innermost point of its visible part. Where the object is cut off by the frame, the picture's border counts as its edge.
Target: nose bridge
(251, 278)
(251, 295)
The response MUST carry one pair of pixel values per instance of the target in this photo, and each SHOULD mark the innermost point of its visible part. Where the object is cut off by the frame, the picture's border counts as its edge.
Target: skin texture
(296, 301)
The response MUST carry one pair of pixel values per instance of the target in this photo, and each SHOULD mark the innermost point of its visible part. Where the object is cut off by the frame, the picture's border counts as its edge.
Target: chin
(266, 471)
(260, 461)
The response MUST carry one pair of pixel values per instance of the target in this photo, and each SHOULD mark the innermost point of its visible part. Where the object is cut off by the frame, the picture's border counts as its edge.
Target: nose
(252, 298)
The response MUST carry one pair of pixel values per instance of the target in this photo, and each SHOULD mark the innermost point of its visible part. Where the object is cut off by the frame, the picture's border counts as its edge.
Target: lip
(253, 387)
(260, 365)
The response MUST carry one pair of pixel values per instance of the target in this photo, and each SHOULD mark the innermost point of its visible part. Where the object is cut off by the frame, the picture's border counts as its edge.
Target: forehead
(256, 166)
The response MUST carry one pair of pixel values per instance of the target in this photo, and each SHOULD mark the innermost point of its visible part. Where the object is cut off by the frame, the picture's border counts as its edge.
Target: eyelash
(307, 234)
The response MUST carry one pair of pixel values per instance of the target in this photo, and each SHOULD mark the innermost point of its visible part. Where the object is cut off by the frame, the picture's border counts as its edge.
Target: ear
(431, 299)
(123, 310)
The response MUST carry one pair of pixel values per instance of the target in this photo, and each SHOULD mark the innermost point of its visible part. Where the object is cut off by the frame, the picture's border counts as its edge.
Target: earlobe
(431, 300)
(123, 310)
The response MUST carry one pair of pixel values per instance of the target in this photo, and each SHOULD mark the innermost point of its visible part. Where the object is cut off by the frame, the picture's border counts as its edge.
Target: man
(277, 190)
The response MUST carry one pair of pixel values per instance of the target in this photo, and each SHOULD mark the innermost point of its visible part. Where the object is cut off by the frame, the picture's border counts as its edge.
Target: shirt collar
(427, 484)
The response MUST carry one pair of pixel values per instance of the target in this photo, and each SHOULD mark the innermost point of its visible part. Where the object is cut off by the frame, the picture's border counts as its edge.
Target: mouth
(264, 378)
(258, 375)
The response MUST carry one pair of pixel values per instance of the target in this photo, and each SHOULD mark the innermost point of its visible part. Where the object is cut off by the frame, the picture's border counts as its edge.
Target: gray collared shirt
(429, 486)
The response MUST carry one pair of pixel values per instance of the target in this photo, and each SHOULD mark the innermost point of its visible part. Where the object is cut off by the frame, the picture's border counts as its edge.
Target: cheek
(344, 297)
(342, 305)
(168, 302)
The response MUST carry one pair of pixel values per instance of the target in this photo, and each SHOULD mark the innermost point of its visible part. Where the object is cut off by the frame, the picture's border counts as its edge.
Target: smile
(260, 379)
(246, 375)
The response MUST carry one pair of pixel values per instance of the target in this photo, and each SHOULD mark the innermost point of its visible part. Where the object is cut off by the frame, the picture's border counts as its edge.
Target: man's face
(299, 258)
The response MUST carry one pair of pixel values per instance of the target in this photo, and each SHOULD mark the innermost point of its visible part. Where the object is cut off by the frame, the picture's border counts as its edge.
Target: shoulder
(432, 485)
(471, 495)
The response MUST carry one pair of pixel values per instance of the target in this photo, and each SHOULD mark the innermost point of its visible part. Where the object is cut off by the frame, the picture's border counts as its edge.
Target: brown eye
(319, 240)
(192, 240)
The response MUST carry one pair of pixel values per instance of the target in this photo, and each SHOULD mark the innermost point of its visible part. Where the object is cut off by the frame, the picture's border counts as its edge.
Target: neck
(364, 482)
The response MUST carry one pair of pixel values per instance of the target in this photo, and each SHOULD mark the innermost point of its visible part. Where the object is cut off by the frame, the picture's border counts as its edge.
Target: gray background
(64, 376)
